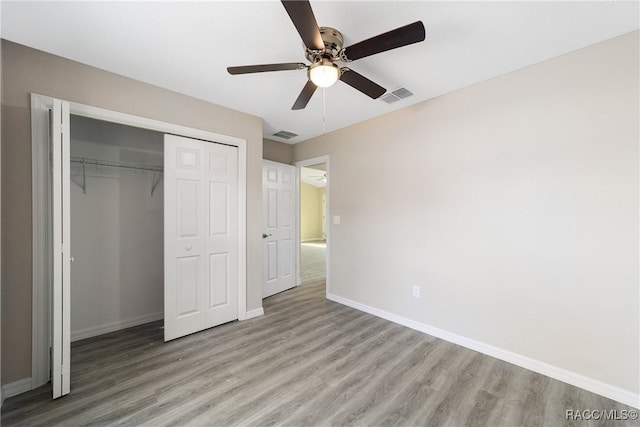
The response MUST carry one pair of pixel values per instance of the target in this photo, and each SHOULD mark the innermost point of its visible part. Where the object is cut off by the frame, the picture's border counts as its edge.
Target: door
(60, 204)
(200, 235)
(278, 225)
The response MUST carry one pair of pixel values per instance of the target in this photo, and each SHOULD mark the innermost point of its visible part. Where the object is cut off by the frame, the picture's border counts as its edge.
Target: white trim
(313, 239)
(40, 288)
(256, 312)
(15, 388)
(41, 240)
(327, 223)
(569, 377)
(242, 230)
(94, 331)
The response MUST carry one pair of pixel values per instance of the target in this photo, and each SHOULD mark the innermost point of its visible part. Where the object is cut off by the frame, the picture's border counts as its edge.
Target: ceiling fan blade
(246, 69)
(403, 36)
(305, 96)
(305, 22)
(361, 83)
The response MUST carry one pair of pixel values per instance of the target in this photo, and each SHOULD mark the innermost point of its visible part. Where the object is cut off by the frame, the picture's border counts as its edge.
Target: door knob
(264, 236)
(188, 248)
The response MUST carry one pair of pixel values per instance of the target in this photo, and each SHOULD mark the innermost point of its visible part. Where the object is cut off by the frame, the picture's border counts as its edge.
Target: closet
(135, 220)
(116, 196)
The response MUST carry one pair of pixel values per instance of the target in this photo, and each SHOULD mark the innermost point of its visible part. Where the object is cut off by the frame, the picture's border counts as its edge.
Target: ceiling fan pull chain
(324, 110)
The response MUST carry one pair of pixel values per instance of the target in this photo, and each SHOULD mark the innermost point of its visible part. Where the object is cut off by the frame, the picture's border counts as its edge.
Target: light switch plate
(336, 219)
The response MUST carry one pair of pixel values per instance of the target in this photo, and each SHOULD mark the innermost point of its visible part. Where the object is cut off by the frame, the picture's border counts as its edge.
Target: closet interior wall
(117, 277)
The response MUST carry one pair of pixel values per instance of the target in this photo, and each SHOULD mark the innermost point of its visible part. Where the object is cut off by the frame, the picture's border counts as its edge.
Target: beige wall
(277, 151)
(26, 70)
(310, 212)
(513, 203)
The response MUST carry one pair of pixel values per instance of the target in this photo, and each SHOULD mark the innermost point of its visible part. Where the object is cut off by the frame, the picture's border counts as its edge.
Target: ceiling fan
(322, 177)
(324, 49)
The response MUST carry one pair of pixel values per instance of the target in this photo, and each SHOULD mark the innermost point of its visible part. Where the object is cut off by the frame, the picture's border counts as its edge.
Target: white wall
(513, 203)
(116, 231)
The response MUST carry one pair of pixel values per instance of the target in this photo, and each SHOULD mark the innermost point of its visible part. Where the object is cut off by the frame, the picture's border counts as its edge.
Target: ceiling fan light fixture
(324, 74)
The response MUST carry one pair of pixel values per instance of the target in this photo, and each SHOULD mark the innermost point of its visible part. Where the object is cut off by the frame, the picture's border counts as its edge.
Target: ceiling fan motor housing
(333, 42)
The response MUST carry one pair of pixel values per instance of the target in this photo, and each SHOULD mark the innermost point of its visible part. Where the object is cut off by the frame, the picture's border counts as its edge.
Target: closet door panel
(222, 239)
(187, 286)
(219, 280)
(184, 241)
(201, 235)
(187, 212)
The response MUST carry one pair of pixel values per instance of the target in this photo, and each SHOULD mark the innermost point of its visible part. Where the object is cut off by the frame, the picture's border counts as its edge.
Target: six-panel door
(201, 235)
(278, 224)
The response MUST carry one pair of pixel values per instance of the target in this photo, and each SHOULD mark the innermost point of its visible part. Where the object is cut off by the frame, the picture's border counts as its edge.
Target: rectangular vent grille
(402, 93)
(284, 134)
(396, 95)
(389, 98)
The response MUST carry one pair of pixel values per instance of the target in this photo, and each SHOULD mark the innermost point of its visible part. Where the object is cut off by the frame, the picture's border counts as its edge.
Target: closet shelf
(117, 164)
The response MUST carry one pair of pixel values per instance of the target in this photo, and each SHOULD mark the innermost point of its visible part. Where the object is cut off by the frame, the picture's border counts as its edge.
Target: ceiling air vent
(285, 135)
(396, 95)
(402, 93)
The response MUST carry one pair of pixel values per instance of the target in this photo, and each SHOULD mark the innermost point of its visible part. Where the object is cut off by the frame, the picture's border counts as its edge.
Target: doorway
(313, 191)
(313, 254)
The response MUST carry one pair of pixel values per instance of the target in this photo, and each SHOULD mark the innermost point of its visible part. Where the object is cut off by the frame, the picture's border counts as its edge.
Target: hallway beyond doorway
(312, 261)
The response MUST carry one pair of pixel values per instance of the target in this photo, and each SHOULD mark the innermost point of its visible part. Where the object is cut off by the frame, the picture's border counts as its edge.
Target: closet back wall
(116, 230)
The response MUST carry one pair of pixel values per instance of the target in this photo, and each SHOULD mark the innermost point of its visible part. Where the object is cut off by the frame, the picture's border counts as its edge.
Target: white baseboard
(256, 312)
(94, 331)
(15, 388)
(569, 377)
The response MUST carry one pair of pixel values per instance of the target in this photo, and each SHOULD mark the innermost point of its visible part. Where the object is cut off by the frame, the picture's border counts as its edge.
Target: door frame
(327, 222)
(41, 221)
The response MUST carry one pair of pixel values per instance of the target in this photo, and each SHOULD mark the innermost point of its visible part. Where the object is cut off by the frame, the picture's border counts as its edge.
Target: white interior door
(278, 224)
(200, 235)
(61, 342)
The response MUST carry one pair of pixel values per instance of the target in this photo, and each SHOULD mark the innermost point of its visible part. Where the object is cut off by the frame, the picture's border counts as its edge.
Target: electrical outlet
(416, 291)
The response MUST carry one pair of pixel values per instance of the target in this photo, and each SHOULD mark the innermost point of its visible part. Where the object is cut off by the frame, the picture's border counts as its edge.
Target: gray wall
(27, 70)
(513, 203)
(277, 151)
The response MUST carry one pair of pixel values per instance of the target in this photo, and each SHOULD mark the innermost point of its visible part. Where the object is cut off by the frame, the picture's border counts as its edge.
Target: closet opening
(116, 229)
(135, 222)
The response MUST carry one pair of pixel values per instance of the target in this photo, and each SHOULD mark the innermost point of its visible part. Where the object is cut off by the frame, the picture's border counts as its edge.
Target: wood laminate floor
(307, 362)
(312, 261)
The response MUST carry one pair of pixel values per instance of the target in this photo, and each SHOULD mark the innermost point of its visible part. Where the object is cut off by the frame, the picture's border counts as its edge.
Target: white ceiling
(186, 47)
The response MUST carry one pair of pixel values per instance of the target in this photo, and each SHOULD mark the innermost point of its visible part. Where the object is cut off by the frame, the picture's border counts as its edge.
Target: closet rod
(116, 164)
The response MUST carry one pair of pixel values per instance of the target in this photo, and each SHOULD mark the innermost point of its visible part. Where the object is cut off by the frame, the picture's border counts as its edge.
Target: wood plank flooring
(312, 261)
(307, 362)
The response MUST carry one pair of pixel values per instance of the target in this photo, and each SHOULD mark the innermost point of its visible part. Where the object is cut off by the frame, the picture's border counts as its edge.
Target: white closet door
(278, 210)
(61, 345)
(200, 235)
